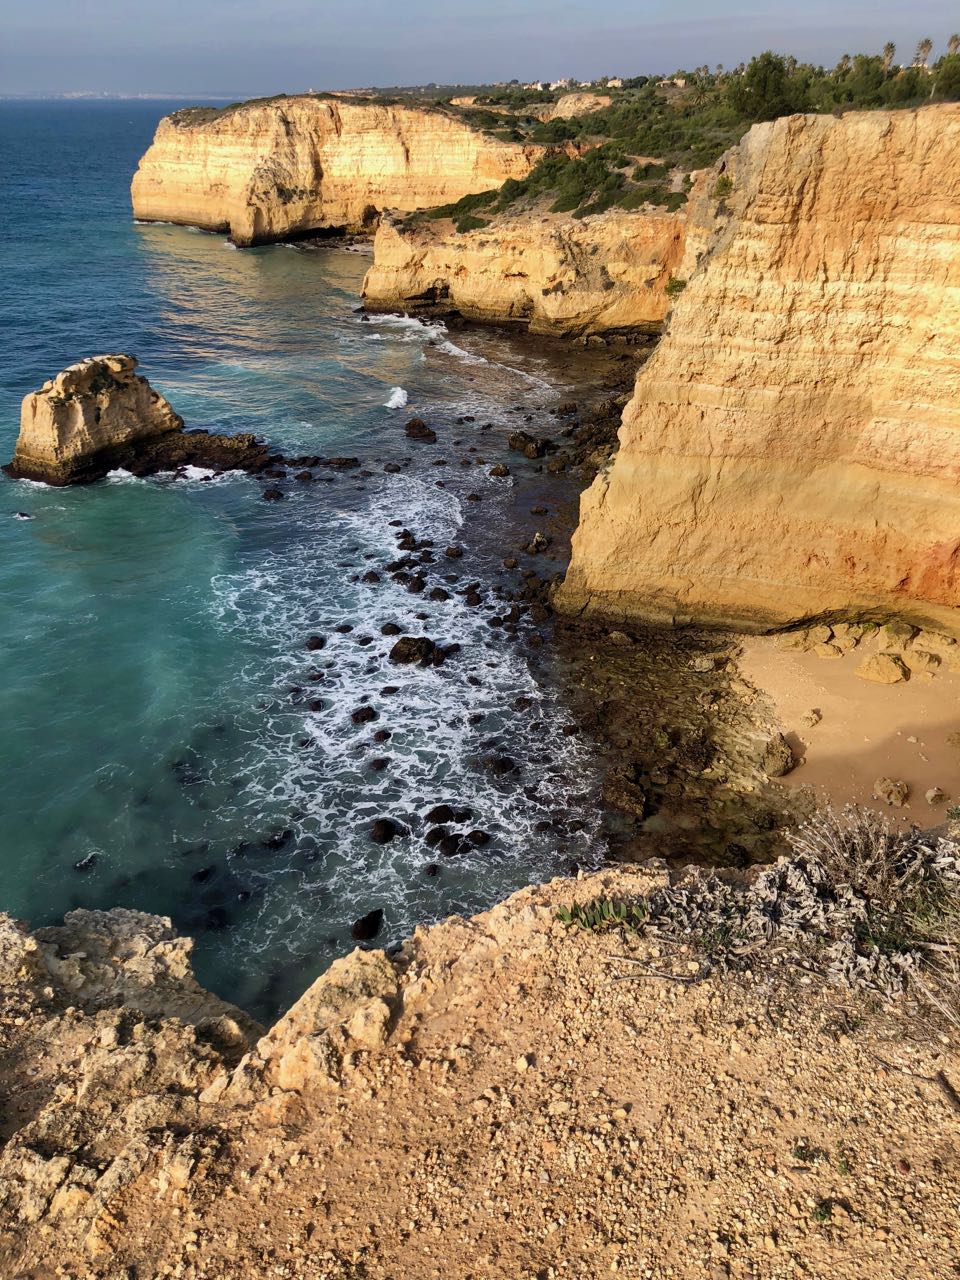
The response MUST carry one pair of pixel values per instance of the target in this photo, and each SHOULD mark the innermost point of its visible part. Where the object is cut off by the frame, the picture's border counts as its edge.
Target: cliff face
(562, 275)
(793, 447)
(266, 171)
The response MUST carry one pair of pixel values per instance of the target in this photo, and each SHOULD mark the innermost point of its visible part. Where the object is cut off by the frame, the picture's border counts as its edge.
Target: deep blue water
(152, 631)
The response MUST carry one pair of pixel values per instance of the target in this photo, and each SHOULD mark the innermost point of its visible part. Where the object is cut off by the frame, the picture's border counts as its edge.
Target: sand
(867, 731)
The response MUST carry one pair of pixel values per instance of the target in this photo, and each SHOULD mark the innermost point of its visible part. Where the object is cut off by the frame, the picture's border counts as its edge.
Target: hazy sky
(244, 47)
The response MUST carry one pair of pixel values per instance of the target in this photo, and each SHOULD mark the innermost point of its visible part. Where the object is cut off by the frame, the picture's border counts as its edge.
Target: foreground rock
(101, 414)
(271, 169)
(573, 277)
(792, 447)
(507, 1091)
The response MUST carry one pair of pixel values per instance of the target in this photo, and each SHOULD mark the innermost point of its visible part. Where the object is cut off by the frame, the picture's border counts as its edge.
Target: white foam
(398, 398)
(120, 475)
(451, 349)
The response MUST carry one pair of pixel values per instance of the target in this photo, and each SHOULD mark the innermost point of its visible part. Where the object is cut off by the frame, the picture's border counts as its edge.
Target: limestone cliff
(562, 275)
(793, 447)
(270, 170)
(100, 414)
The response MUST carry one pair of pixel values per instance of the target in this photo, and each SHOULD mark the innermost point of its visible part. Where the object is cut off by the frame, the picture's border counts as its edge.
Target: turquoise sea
(154, 717)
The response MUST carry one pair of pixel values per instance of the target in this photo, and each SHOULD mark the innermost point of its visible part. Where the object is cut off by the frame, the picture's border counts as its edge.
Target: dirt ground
(536, 1106)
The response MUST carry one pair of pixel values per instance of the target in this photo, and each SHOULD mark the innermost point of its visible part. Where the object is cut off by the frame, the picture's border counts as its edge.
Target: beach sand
(867, 731)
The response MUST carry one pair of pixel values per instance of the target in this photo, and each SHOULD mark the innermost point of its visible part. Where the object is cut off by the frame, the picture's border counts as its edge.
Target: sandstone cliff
(793, 447)
(269, 170)
(561, 275)
(100, 414)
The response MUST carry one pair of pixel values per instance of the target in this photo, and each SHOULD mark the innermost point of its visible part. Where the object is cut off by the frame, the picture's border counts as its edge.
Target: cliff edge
(792, 449)
(270, 170)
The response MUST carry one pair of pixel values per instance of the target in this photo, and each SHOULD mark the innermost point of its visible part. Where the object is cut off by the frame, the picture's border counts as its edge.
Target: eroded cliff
(792, 449)
(270, 170)
(562, 275)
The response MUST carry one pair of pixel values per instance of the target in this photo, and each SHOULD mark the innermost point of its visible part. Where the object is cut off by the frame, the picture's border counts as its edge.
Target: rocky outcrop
(271, 170)
(605, 274)
(792, 449)
(101, 414)
(569, 105)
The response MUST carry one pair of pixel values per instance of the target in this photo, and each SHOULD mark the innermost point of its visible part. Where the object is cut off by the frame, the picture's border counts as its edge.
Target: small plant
(675, 286)
(804, 1153)
(822, 1210)
(603, 914)
(953, 813)
(722, 187)
(469, 222)
(844, 1162)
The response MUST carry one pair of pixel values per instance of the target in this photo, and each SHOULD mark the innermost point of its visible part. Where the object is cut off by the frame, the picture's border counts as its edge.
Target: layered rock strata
(272, 170)
(605, 274)
(101, 414)
(792, 449)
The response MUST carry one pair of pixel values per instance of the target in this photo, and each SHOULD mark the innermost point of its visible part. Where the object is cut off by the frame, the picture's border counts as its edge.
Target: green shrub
(722, 187)
(470, 223)
(674, 287)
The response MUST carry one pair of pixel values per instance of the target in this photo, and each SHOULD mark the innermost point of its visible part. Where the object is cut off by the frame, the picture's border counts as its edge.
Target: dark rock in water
(478, 838)
(316, 704)
(382, 735)
(371, 576)
(363, 715)
(392, 468)
(439, 813)
(473, 599)
(391, 629)
(432, 869)
(474, 497)
(304, 476)
(22, 515)
(417, 429)
(463, 815)
(384, 830)
(539, 543)
(416, 584)
(344, 628)
(367, 926)
(86, 863)
(451, 845)
(277, 840)
(435, 835)
(389, 690)
(453, 552)
(217, 918)
(510, 562)
(379, 763)
(273, 495)
(528, 445)
(341, 464)
(501, 765)
(498, 470)
(439, 594)
(417, 649)
(315, 642)
(203, 874)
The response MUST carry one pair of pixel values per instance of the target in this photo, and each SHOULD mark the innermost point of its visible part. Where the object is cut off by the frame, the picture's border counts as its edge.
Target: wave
(398, 398)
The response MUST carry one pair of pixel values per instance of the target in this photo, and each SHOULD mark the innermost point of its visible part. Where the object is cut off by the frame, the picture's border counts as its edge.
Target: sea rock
(409, 649)
(883, 668)
(383, 830)
(417, 429)
(72, 427)
(792, 446)
(101, 414)
(271, 169)
(556, 274)
(368, 926)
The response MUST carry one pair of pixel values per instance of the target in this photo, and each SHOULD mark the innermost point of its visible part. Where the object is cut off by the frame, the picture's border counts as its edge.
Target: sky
(240, 48)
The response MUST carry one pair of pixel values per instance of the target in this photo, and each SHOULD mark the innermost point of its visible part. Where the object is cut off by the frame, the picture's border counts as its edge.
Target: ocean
(168, 744)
